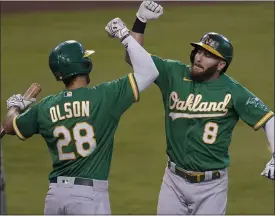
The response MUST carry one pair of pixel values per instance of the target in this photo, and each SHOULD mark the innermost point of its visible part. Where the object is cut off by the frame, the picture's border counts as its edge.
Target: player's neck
(78, 82)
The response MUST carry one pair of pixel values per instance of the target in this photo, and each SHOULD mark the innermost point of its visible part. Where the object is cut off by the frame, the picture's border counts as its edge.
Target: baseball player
(78, 124)
(202, 107)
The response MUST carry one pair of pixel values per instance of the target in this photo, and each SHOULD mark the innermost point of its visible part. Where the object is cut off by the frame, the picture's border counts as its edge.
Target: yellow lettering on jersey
(174, 98)
(215, 108)
(53, 114)
(85, 108)
(193, 103)
(68, 110)
(222, 105)
(75, 109)
(196, 103)
(212, 106)
(203, 107)
(189, 102)
(58, 113)
(180, 105)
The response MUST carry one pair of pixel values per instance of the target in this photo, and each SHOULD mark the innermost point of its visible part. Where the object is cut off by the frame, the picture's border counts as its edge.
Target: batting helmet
(69, 59)
(216, 44)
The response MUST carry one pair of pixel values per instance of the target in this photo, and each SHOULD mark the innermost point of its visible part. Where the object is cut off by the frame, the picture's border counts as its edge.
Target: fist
(149, 10)
(117, 29)
(269, 169)
(19, 101)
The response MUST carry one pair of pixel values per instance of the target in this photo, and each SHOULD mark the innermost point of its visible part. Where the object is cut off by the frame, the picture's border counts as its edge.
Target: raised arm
(148, 10)
(145, 71)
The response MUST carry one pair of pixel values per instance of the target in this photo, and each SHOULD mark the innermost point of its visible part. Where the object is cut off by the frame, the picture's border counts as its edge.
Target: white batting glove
(149, 10)
(19, 101)
(269, 169)
(117, 29)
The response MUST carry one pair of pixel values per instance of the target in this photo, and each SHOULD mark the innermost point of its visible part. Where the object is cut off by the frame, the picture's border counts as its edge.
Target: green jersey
(200, 116)
(79, 126)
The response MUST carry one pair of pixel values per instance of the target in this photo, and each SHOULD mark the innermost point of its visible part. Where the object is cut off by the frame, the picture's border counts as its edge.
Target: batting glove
(19, 101)
(269, 169)
(117, 29)
(149, 10)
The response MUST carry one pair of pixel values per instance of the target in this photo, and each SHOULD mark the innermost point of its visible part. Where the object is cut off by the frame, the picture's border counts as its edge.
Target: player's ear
(221, 65)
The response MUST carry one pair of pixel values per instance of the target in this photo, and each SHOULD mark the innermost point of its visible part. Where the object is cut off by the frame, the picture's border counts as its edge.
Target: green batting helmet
(68, 59)
(216, 44)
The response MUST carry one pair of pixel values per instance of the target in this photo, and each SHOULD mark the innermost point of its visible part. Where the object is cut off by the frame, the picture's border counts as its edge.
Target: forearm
(269, 130)
(145, 70)
(138, 37)
(8, 123)
(138, 34)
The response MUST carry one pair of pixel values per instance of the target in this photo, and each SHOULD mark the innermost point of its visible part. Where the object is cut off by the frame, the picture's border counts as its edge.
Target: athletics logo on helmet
(210, 42)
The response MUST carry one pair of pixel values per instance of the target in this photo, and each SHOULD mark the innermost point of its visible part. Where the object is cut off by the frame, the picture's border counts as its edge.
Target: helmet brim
(88, 53)
(208, 48)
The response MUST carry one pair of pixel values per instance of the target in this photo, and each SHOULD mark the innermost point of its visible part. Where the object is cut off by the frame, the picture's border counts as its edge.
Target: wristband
(139, 27)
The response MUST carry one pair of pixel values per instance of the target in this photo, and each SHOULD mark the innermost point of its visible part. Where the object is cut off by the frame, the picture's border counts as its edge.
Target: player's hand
(149, 10)
(269, 169)
(117, 29)
(19, 101)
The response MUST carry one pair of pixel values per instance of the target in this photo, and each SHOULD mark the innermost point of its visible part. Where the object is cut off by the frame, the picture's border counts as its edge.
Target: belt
(192, 177)
(77, 181)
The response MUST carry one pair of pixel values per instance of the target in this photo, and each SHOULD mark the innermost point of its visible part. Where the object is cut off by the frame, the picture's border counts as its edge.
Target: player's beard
(203, 76)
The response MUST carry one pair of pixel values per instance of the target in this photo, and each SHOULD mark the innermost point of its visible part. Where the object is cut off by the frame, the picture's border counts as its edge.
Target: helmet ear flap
(54, 66)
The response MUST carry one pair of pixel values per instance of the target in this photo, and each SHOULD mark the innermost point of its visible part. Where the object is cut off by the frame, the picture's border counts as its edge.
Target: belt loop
(208, 175)
(172, 166)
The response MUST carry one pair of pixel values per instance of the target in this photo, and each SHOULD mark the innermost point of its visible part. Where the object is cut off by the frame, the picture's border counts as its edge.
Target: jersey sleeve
(120, 94)
(26, 124)
(250, 108)
(165, 68)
